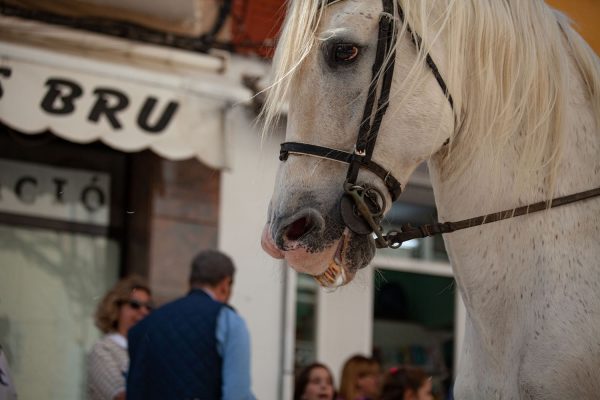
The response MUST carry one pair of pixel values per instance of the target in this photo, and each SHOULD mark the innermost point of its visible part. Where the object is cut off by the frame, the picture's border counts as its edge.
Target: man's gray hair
(210, 267)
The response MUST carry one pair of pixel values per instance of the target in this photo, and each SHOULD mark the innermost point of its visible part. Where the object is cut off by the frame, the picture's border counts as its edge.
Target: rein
(394, 239)
(361, 207)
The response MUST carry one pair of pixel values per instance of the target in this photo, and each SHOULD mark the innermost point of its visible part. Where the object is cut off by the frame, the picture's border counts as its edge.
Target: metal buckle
(366, 215)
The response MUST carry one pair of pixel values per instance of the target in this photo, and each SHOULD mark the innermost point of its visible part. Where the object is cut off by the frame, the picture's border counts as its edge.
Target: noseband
(362, 207)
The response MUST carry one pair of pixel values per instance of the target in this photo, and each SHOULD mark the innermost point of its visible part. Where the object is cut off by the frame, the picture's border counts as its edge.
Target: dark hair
(210, 267)
(303, 378)
(107, 312)
(400, 379)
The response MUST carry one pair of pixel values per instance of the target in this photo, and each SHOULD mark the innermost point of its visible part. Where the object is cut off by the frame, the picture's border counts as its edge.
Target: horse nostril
(298, 228)
(289, 231)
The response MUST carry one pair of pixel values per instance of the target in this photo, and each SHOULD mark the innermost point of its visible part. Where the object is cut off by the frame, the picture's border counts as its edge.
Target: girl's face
(320, 385)
(369, 385)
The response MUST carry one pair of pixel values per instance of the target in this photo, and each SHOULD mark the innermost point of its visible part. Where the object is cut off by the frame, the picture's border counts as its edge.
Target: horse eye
(345, 53)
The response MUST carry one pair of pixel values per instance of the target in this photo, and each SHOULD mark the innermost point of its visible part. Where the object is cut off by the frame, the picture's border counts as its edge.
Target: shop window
(414, 318)
(415, 305)
(306, 323)
(60, 221)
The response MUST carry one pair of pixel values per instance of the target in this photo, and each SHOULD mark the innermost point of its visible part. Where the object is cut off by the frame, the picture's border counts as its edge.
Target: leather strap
(390, 182)
(395, 239)
(418, 42)
(368, 130)
(371, 121)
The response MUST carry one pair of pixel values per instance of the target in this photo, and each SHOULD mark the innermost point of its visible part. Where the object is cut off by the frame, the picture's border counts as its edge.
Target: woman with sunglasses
(121, 308)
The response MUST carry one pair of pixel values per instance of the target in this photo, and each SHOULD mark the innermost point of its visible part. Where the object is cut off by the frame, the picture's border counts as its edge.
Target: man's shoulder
(179, 307)
(174, 305)
(194, 299)
(163, 312)
(158, 319)
(230, 318)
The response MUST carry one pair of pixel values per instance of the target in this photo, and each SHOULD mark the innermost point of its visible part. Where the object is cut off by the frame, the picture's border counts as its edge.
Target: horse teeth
(333, 277)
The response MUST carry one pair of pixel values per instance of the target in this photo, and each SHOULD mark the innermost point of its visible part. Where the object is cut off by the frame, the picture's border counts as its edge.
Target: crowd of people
(198, 347)
(362, 379)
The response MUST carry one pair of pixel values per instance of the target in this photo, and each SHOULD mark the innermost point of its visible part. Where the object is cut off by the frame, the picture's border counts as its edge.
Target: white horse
(524, 128)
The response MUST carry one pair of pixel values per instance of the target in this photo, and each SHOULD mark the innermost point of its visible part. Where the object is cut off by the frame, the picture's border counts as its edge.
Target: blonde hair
(528, 88)
(525, 93)
(356, 367)
(107, 313)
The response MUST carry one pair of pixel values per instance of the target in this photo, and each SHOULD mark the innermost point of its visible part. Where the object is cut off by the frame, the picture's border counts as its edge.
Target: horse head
(327, 64)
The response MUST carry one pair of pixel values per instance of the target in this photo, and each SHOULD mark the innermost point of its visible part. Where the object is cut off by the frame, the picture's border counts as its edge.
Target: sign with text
(65, 194)
(126, 107)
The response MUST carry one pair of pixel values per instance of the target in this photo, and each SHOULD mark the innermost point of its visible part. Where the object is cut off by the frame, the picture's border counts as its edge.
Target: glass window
(60, 251)
(306, 311)
(50, 284)
(414, 323)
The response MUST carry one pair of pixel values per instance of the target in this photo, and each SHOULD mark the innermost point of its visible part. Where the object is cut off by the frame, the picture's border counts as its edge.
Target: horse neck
(488, 186)
(495, 263)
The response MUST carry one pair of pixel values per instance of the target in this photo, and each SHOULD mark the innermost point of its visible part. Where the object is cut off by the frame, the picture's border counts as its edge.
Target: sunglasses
(137, 305)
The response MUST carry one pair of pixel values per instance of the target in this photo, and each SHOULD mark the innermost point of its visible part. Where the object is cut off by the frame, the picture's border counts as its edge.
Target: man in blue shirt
(196, 347)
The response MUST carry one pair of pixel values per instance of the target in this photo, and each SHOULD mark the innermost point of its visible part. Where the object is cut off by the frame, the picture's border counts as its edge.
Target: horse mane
(507, 69)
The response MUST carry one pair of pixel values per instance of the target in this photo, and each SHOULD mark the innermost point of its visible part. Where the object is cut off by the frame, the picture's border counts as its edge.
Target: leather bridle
(362, 207)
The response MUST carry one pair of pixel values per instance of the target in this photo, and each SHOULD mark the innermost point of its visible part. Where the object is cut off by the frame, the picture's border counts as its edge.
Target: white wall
(345, 322)
(258, 290)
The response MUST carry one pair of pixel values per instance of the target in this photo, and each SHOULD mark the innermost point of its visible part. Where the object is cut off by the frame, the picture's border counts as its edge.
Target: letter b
(60, 97)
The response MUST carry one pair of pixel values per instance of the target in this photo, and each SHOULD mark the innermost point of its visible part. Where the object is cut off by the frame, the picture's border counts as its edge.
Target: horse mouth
(337, 273)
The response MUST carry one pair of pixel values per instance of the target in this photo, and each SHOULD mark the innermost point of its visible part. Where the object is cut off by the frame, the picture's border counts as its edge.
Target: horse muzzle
(302, 240)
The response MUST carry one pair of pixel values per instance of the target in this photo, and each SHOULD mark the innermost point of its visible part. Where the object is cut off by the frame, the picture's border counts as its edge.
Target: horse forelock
(297, 39)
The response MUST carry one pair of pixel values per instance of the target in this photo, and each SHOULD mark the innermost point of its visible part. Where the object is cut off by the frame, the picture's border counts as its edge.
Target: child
(406, 383)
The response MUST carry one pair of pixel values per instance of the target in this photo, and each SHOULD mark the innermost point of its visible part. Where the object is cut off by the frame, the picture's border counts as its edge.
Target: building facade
(119, 157)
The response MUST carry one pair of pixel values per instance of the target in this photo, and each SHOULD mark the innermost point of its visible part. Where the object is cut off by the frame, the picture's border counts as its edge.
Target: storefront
(120, 158)
(61, 249)
(162, 211)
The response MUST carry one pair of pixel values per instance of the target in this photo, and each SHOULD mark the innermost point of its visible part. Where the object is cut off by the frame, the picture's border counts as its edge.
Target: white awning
(86, 87)
(182, 17)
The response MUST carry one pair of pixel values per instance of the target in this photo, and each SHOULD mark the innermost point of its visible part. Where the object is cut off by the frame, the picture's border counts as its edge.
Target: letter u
(164, 119)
